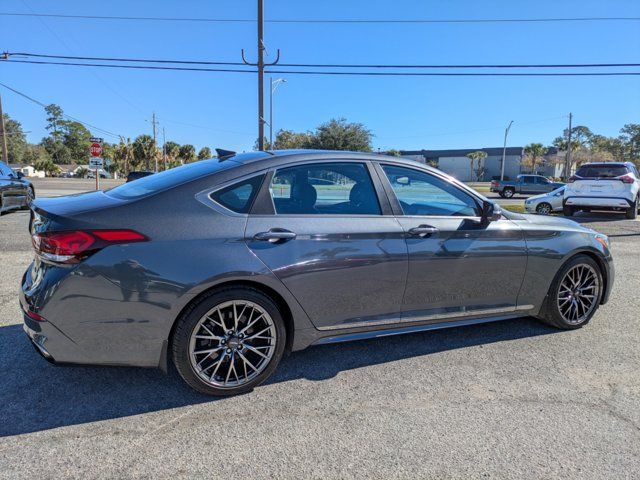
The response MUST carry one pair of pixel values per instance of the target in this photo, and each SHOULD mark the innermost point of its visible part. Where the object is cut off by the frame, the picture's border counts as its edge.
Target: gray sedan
(223, 265)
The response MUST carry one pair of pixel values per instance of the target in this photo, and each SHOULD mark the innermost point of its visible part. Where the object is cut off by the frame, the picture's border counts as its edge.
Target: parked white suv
(603, 186)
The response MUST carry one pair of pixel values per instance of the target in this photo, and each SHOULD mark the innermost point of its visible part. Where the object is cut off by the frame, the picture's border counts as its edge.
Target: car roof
(272, 158)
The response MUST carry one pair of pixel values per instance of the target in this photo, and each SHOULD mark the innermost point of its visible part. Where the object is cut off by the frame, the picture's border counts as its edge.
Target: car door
(9, 189)
(329, 235)
(528, 184)
(543, 185)
(459, 266)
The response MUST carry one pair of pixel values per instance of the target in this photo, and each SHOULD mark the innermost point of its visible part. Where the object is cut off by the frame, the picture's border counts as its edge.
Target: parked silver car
(545, 203)
(223, 265)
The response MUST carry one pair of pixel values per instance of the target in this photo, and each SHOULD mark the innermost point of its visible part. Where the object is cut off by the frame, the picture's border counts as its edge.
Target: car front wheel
(575, 294)
(229, 342)
(544, 208)
(508, 192)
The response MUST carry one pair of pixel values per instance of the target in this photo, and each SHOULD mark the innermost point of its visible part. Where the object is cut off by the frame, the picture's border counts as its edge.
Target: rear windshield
(602, 171)
(164, 180)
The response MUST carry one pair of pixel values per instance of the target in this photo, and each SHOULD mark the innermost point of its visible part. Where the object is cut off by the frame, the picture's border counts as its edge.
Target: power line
(323, 65)
(31, 99)
(342, 73)
(327, 21)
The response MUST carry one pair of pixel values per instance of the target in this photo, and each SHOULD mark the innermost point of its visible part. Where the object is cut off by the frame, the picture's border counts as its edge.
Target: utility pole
(3, 134)
(567, 165)
(504, 151)
(164, 149)
(154, 123)
(260, 75)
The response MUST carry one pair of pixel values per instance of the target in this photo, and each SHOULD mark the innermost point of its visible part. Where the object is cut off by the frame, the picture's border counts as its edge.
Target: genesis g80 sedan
(223, 265)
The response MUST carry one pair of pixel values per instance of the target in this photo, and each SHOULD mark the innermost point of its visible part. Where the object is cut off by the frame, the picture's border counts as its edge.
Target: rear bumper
(603, 202)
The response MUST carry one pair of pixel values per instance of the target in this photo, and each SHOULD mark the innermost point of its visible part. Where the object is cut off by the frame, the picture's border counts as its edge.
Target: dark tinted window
(239, 196)
(164, 180)
(420, 193)
(327, 188)
(527, 179)
(602, 171)
(5, 171)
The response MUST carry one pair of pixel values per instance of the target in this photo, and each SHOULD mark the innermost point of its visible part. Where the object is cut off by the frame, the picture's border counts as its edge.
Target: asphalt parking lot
(510, 399)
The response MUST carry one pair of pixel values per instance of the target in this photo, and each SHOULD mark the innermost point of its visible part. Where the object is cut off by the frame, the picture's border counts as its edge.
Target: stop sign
(96, 150)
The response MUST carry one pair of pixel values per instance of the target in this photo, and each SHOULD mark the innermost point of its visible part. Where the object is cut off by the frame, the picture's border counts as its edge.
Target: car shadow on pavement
(36, 395)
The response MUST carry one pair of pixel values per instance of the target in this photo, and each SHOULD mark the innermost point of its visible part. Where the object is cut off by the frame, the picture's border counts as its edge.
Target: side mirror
(490, 212)
(19, 174)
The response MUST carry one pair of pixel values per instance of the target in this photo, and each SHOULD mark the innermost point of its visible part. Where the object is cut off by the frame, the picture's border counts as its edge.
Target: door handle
(423, 231)
(275, 235)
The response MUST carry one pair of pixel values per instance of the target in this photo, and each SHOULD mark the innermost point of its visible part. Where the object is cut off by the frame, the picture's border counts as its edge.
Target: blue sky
(403, 113)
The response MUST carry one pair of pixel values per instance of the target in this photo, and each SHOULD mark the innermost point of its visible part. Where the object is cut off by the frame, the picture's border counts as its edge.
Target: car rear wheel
(567, 211)
(632, 212)
(229, 342)
(575, 294)
(508, 192)
(544, 208)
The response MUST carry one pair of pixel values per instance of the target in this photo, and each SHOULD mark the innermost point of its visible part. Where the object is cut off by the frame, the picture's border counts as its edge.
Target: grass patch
(514, 208)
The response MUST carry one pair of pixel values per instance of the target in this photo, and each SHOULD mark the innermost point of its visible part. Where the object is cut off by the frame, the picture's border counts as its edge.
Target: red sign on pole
(96, 150)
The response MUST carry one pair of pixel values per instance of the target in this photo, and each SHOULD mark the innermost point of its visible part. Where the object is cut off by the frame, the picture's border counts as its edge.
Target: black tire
(190, 319)
(567, 211)
(508, 192)
(501, 194)
(550, 313)
(544, 208)
(632, 212)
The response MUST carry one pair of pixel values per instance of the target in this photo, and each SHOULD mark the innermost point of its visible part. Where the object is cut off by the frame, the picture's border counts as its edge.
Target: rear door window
(601, 171)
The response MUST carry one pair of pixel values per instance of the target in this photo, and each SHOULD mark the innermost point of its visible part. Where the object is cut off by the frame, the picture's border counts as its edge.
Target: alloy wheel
(544, 209)
(232, 344)
(578, 293)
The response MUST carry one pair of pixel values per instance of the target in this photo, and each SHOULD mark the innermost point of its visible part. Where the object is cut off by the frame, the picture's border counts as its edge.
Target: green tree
(144, 152)
(533, 153)
(173, 151)
(289, 140)
(476, 157)
(75, 137)
(16, 140)
(393, 153)
(54, 120)
(204, 153)
(47, 166)
(34, 154)
(630, 138)
(123, 156)
(337, 134)
(188, 153)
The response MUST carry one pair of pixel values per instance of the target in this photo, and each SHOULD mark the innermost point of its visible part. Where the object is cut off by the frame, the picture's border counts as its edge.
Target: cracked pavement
(510, 399)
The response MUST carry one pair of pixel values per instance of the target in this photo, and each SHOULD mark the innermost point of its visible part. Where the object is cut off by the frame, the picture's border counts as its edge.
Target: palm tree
(533, 153)
(478, 156)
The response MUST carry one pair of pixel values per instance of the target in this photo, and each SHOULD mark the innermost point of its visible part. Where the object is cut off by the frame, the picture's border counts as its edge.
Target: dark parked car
(136, 175)
(525, 184)
(221, 266)
(16, 192)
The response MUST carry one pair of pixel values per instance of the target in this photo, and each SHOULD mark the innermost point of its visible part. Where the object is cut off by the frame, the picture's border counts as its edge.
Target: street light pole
(504, 151)
(273, 84)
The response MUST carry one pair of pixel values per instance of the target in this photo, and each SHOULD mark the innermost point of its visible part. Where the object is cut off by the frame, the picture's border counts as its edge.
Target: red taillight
(73, 246)
(494, 183)
(34, 316)
(626, 178)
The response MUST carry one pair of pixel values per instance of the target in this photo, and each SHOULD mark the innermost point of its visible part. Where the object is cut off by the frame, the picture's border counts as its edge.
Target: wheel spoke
(256, 351)
(255, 335)
(250, 324)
